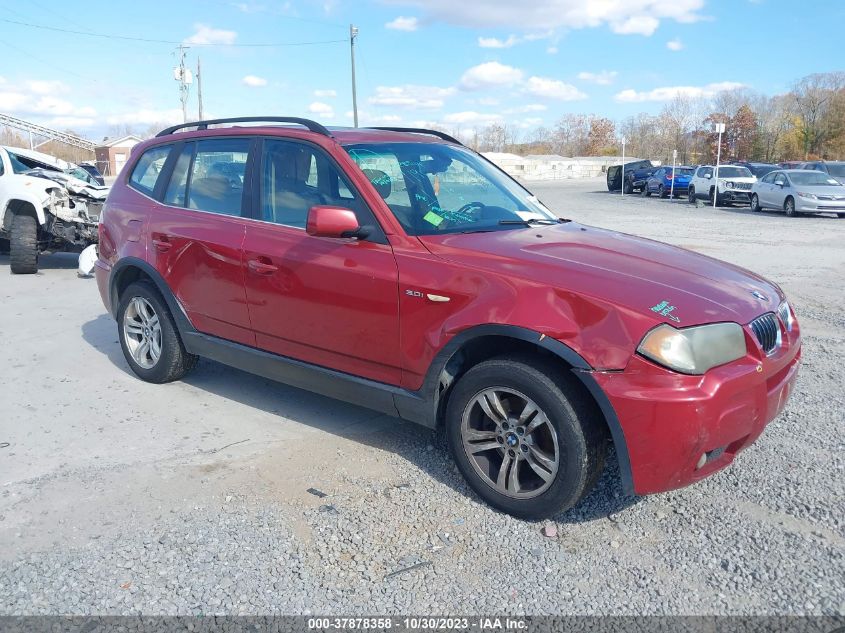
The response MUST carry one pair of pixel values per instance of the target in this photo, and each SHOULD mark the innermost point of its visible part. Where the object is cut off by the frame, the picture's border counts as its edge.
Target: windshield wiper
(533, 221)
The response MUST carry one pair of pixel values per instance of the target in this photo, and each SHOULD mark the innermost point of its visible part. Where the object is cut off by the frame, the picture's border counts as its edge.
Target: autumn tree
(601, 137)
(741, 130)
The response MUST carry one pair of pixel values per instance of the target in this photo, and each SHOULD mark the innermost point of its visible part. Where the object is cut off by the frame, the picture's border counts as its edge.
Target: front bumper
(735, 195)
(679, 429)
(805, 205)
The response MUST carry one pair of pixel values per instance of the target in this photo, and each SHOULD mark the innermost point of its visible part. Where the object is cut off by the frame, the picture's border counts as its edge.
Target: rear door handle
(261, 266)
(162, 243)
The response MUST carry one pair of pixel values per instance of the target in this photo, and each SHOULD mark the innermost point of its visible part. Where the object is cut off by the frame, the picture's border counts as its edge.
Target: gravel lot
(121, 497)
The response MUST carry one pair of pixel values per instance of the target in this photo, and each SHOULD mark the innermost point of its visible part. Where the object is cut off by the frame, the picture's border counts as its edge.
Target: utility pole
(183, 76)
(720, 128)
(199, 90)
(623, 166)
(353, 33)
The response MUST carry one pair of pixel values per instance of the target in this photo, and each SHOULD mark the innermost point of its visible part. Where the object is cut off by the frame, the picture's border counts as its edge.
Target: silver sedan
(797, 191)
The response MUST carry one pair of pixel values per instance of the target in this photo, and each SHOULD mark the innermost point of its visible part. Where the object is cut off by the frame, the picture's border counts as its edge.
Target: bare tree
(813, 96)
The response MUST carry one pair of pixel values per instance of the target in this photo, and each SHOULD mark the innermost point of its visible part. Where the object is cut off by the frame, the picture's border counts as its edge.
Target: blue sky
(462, 63)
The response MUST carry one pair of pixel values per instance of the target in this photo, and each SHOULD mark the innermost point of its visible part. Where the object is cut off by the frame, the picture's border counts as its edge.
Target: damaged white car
(45, 207)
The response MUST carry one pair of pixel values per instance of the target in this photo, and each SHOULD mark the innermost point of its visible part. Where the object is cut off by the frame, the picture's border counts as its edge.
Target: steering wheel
(471, 205)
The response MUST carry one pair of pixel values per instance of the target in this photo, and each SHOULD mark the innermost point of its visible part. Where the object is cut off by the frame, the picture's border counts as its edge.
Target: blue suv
(660, 181)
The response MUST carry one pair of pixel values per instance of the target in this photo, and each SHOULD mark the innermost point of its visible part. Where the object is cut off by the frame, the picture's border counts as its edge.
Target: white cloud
(208, 36)
(73, 122)
(632, 16)
(636, 25)
(254, 82)
(490, 75)
(411, 96)
(674, 45)
(146, 117)
(323, 109)
(403, 23)
(602, 78)
(325, 93)
(494, 42)
(366, 118)
(46, 87)
(553, 89)
(670, 92)
(488, 101)
(552, 50)
(531, 107)
(470, 117)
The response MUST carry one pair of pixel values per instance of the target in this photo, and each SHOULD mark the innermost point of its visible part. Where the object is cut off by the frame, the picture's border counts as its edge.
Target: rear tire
(143, 317)
(789, 207)
(23, 245)
(755, 204)
(627, 186)
(550, 442)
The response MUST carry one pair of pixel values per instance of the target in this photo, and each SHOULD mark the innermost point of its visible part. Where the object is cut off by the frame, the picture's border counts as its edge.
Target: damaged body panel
(45, 207)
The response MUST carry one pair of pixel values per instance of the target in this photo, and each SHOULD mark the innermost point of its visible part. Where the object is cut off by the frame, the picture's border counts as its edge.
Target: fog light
(701, 461)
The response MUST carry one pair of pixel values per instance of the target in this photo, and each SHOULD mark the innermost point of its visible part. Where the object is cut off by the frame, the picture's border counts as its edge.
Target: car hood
(837, 191)
(749, 179)
(626, 271)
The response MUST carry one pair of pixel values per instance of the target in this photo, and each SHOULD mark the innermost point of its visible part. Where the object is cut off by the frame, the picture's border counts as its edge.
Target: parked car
(797, 191)
(636, 173)
(791, 164)
(44, 207)
(730, 184)
(399, 270)
(758, 170)
(91, 168)
(661, 181)
(834, 169)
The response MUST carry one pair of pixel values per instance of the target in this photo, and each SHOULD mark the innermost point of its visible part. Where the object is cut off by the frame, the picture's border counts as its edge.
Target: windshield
(815, 178)
(734, 172)
(762, 170)
(434, 189)
(837, 169)
(682, 171)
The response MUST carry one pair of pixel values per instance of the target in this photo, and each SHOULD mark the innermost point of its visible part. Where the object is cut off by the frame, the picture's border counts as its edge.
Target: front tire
(789, 207)
(691, 195)
(23, 245)
(645, 191)
(148, 336)
(755, 204)
(627, 186)
(526, 441)
(661, 191)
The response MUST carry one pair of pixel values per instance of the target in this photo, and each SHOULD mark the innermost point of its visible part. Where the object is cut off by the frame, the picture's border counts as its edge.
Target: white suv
(731, 184)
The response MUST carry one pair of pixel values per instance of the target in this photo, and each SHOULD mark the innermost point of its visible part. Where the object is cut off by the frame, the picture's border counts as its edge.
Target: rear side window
(148, 168)
(216, 176)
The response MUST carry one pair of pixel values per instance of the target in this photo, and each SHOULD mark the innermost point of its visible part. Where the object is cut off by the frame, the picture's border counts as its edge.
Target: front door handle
(261, 266)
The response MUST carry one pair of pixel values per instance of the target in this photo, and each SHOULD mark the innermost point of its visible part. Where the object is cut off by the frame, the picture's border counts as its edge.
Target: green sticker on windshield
(432, 218)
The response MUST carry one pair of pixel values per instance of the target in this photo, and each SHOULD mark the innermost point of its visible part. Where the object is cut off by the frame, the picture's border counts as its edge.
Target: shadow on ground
(409, 441)
(51, 261)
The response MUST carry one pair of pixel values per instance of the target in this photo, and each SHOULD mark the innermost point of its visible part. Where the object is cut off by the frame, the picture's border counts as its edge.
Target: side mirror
(325, 221)
(708, 176)
(780, 183)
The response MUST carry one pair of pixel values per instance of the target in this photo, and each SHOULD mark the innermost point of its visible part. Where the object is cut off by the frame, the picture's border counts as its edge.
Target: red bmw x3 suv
(398, 270)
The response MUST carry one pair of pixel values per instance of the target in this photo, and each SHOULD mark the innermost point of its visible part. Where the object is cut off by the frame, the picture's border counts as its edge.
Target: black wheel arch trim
(423, 405)
(183, 323)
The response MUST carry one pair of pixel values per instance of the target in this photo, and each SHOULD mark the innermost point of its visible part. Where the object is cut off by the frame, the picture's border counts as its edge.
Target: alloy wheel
(142, 332)
(510, 442)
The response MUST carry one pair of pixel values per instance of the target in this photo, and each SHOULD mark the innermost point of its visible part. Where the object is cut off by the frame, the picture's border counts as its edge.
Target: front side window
(216, 176)
(434, 188)
(298, 176)
(770, 178)
(837, 170)
(149, 166)
(704, 172)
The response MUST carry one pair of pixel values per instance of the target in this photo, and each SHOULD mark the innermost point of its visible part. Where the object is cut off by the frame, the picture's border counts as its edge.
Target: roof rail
(203, 125)
(420, 130)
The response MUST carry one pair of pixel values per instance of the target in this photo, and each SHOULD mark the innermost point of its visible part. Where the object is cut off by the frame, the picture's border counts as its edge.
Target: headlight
(811, 196)
(694, 350)
(785, 314)
(729, 184)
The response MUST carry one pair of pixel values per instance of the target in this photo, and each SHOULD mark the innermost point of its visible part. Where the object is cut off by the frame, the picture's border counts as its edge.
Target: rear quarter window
(147, 169)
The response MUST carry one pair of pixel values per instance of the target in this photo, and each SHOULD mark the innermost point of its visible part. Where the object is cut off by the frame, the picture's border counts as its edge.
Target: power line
(157, 41)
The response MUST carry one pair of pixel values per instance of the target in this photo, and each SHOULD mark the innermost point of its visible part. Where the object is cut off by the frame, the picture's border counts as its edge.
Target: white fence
(554, 167)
